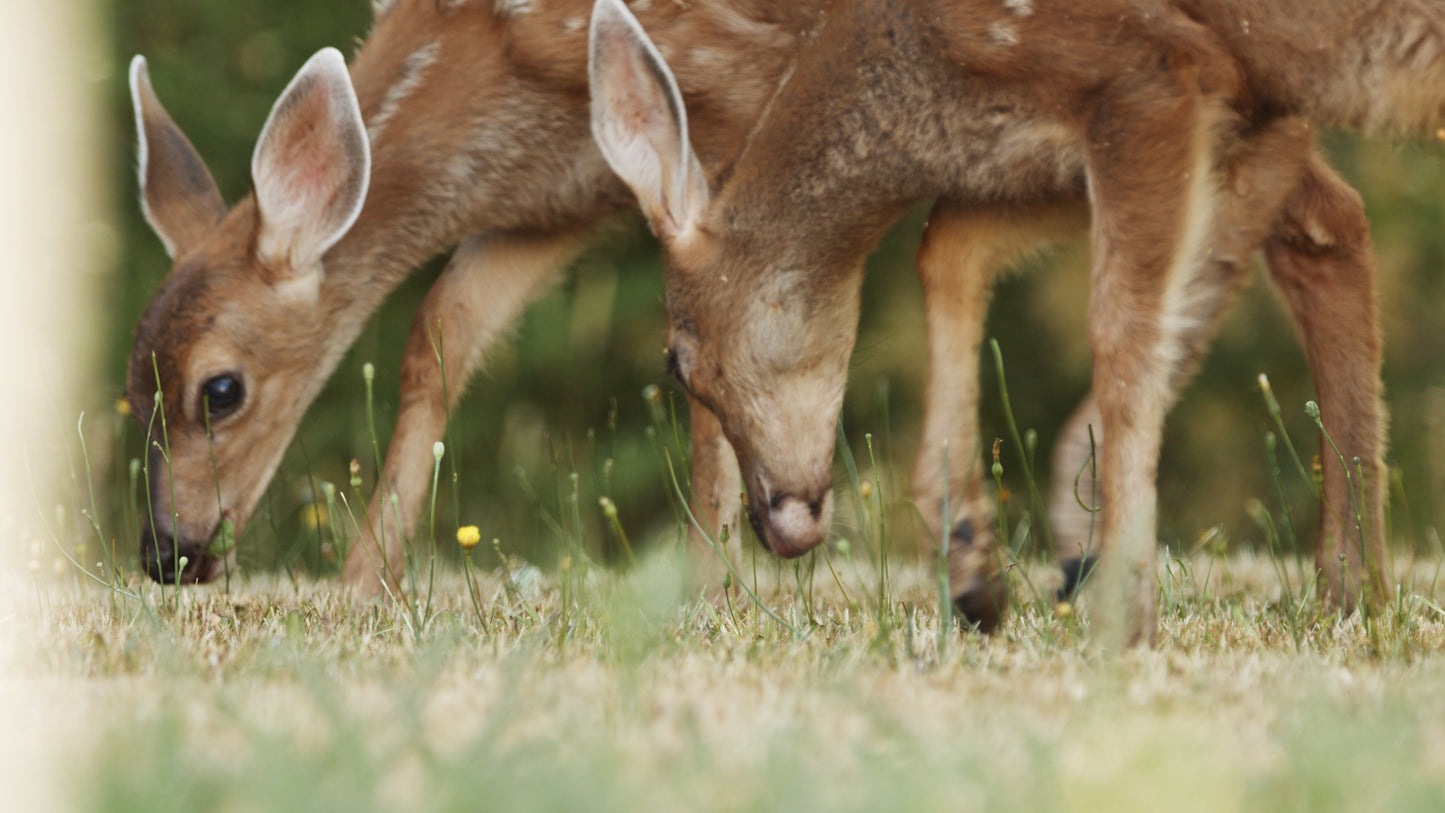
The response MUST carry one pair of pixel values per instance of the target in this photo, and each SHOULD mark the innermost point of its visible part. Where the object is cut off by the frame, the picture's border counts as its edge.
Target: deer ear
(177, 194)
(311, 167)
(640, 123)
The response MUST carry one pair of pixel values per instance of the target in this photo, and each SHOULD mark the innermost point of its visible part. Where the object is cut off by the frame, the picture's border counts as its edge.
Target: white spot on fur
(574, 25)
(412, 71)
(1003, 33)
(380, 8)
(1022, 8)
(512, 8)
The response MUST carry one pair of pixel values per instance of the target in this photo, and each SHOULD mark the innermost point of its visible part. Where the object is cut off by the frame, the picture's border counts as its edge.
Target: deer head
(232, 349)
(760, 330)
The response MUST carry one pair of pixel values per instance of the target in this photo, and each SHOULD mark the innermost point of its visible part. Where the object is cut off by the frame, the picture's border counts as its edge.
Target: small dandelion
(652, 393)
(438, 449)
(468, 536)
(1064, 609)
(122, 407)
(845, 548)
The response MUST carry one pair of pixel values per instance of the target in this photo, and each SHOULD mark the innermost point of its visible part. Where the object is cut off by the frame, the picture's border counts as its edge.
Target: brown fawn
(1163, 115)
(472, 128)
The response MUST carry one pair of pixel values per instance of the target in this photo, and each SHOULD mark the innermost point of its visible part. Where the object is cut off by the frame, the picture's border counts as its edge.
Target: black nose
(158, 553)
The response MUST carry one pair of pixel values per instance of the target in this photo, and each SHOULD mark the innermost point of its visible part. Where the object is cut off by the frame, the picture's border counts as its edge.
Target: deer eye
(222, 394)
(679, 364)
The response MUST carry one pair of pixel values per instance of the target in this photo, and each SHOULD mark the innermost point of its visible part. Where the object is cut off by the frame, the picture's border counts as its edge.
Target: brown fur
(505, 154)
(897, 101)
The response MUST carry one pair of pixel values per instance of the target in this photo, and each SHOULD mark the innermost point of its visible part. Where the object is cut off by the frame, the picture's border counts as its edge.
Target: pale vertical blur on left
(51, 184)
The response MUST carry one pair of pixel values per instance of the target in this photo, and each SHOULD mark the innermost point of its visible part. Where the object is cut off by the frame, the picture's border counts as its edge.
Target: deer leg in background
(962, 249)
(1259, 176)
(717, 487)
(479, 295)
(1321, 260)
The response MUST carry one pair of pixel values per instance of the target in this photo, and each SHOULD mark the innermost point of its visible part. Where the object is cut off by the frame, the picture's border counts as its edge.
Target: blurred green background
(565, 394)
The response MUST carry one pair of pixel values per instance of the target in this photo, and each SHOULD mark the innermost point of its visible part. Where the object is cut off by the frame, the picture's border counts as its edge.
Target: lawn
(607, 690)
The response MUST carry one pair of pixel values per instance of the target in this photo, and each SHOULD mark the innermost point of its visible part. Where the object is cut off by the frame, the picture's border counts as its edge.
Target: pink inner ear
(311, 154)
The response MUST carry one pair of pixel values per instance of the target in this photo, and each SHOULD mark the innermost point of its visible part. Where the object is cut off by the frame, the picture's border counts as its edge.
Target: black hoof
(984, 606)
(1076, 570)
(984, 602)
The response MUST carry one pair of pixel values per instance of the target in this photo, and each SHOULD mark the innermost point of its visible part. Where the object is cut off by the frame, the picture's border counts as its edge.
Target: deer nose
(794, 525)
(158, 553)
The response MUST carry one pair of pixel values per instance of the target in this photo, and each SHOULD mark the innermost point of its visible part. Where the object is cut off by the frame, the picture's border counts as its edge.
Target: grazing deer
(458, 123)
(1164, 114)
(503, 163)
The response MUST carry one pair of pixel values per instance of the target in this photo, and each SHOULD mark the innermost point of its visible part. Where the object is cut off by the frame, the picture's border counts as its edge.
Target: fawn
(468, 125)
(1161, 114)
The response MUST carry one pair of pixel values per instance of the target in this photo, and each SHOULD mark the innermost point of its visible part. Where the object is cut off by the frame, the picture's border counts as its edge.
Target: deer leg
(1151, 170)
(479, 295)
(717, 486)
(962, 248)
(1258, 176)
(1321, 260)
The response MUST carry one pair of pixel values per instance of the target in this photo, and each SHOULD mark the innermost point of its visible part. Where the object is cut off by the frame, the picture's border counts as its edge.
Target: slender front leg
(479, 295)
(1150, 170)
(717, 488)
(1321, 260)
(962, 249)
(1257, 178)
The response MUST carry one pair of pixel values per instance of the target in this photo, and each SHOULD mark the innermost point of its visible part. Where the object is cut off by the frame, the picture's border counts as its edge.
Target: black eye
(222, 394)
(674, 368)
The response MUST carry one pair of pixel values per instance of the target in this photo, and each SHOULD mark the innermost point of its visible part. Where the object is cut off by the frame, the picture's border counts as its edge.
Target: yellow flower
(122, 407)
(468, 536)
(313, 515)
(1063, 609)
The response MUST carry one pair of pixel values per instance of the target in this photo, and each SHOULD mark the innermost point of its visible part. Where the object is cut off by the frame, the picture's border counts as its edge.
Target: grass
(274, 696)
(828, 683)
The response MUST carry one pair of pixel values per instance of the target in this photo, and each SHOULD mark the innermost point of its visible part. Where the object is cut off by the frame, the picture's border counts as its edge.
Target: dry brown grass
(273, 696)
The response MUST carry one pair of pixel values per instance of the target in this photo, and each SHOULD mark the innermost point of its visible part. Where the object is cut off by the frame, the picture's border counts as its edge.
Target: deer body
(475, 130)
(892, 101)
(475, 127)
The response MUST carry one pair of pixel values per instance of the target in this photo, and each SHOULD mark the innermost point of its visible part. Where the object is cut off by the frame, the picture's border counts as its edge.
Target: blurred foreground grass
(638, 696)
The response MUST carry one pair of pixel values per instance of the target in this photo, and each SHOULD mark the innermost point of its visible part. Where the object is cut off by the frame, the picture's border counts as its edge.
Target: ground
(606, 691)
